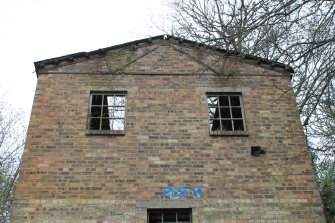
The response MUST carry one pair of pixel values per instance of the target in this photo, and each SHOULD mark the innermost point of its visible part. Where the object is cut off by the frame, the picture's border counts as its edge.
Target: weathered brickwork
(68, 175)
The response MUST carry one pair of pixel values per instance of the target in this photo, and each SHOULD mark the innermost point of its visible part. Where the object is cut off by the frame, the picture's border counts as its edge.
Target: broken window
(225, 112)
(169, 215)
(107, 111)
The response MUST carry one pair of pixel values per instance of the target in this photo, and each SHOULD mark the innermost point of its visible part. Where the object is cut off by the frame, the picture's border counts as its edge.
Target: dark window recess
(107, 111)
(225, 112)
(169, 215)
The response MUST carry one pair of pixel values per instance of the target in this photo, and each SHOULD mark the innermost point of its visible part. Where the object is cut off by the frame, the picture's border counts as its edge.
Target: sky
(34, 30)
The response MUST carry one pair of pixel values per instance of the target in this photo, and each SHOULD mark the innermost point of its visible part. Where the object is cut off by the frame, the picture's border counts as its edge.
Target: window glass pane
(184, 217)
(238, 125)
(211, 125)
(213, 113)
(94, 124)
(109, 100)
(120, 101)
(227, 125)
(116, 124)
(235, 100)
(155, 217)
(119, 113)
(214, 124)
(95, 111)
(107, 112)
(212, 101)
(237, 113)
(169, 217)
(225, 113)
(113, 112)
(224, 101)
(106, 124)
(96, 99)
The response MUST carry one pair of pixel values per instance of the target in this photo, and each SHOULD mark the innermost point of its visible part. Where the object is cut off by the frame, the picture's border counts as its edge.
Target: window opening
(225, 112)
(107, 111)
(169, 215)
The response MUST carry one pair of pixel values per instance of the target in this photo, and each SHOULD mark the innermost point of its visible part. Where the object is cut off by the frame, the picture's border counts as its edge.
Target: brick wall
(70, 176)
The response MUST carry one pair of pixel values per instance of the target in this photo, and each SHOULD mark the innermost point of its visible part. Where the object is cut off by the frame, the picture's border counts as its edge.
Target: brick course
(68, 175)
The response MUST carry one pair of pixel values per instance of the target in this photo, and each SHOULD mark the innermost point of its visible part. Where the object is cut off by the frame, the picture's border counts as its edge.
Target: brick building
(165, 130)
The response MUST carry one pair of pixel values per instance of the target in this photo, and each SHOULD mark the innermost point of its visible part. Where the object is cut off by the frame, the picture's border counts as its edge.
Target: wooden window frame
(166, 210)
(231, 119)
(101, 118)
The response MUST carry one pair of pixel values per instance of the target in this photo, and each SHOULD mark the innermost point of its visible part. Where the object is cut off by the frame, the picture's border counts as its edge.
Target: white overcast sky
(33, 30)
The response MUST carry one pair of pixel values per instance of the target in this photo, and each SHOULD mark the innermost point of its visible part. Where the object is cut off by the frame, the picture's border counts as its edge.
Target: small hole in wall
(256, 151)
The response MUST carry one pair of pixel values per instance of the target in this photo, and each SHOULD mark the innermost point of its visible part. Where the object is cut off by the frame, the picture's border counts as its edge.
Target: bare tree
(300, 33)
(12, 136)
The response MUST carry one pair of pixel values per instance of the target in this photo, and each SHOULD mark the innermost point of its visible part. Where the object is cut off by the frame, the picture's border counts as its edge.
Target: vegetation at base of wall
(325, 175)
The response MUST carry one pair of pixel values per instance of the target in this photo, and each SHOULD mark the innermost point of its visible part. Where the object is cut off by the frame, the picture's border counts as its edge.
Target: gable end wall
(70, 176)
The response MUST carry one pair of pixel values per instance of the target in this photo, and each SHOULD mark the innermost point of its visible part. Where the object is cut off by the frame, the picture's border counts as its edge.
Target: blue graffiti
(178, 192)
(197, 192)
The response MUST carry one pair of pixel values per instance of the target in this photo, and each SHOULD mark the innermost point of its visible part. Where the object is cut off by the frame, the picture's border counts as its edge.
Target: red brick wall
(70, 176)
